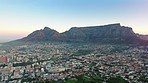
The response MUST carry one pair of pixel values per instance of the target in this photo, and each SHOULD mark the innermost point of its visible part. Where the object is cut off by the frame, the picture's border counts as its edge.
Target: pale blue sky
(18, 18)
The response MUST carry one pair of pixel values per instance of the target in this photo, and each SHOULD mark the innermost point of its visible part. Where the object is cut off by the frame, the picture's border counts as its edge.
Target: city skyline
(20, 17)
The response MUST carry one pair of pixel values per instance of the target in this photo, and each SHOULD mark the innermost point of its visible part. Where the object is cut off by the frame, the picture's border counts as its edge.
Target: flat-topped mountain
(112, 34)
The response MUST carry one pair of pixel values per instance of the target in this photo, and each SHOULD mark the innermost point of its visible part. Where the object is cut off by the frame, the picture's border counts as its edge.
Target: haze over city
(21, 17)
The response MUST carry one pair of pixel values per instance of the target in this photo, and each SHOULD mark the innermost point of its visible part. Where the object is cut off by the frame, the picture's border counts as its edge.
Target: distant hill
(112, 34)
(144, 37)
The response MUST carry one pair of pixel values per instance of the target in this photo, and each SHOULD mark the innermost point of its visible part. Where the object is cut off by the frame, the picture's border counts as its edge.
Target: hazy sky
(18, 18)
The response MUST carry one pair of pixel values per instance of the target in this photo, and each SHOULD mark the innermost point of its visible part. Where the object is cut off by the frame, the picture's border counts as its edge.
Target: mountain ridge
(111, 33)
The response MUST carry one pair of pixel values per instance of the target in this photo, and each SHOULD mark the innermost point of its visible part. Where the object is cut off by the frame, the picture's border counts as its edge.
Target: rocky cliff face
(112, 34)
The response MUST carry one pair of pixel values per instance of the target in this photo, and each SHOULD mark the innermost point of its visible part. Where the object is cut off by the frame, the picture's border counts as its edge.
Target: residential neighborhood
(54, 62)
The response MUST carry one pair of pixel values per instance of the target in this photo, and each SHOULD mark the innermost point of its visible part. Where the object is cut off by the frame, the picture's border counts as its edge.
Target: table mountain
(113, 33)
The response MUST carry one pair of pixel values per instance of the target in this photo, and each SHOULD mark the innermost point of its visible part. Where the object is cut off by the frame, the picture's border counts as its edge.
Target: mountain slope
(46, 34)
